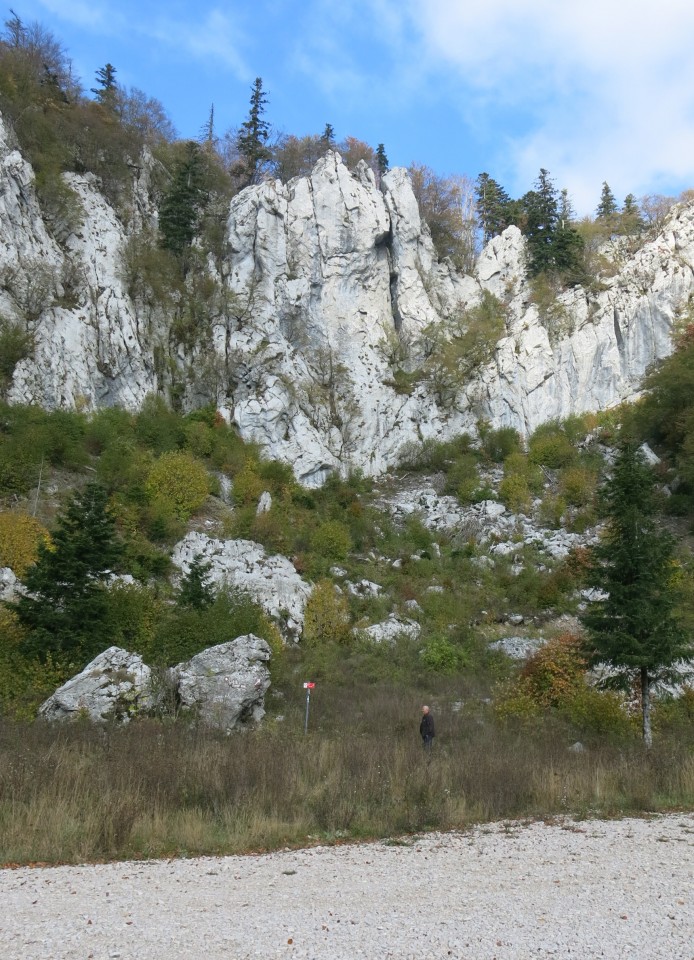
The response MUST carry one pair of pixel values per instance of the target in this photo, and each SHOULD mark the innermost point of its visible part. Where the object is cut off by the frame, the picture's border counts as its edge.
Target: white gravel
(618, 889)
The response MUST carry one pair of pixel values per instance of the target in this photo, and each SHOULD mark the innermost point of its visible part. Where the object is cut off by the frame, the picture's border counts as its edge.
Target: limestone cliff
(331, 286)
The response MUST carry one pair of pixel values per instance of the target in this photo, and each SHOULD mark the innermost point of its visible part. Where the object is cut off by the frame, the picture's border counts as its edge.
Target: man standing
(426, 728)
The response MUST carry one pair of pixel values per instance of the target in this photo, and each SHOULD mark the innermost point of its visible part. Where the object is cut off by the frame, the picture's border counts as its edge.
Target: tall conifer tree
(65, 609)
(634, 630)
(255, 133)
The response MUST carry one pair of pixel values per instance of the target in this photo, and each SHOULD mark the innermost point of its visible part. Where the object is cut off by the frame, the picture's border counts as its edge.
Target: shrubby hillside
(280, 389)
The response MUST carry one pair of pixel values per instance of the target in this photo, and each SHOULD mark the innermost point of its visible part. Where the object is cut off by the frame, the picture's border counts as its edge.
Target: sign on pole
(308, 687)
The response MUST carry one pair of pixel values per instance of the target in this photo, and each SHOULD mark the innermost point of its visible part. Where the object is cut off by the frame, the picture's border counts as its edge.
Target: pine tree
(254, 134)
(207, 134)
(567, 214)
(381, 160)
(634, 631)
(554, 247)
(607, 208)
(328, 137)
(542, 217)
(183, 202)
(630, 220)
(65, 609)
(492, 204)
(106, 92)
(195, 591)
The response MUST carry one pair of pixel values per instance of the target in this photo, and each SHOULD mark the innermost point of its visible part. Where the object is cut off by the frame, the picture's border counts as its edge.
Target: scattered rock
(518, 648)
(225, 685)
(8, 584)
(116, 685)
(389, 630)
(264, 503)
(364, 588)
(243, 565)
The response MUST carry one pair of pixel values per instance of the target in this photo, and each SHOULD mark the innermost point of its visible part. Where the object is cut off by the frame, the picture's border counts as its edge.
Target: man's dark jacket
(426, 727)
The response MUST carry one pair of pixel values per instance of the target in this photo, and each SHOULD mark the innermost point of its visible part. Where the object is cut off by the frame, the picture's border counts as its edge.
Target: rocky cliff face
(331, 284)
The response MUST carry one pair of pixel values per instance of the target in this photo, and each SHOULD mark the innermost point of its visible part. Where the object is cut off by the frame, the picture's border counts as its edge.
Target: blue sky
(592, 90)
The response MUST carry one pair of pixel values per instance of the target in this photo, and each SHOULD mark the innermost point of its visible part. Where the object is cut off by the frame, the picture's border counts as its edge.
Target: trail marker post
(308, 687)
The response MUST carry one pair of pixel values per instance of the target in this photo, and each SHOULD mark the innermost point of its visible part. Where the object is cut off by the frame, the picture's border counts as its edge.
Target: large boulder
(270, 580)
(226, 685)
(116, 685)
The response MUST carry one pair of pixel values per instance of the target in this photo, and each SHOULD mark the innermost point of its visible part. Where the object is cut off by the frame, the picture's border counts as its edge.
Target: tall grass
(80, 793)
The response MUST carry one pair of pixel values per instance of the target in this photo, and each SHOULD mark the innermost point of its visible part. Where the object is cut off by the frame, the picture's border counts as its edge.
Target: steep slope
(331, 290)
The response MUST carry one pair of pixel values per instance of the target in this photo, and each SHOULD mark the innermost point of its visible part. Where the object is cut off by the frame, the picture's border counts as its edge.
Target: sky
(591, 90)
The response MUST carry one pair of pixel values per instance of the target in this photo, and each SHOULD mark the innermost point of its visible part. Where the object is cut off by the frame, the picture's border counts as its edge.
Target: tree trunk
(646, 707)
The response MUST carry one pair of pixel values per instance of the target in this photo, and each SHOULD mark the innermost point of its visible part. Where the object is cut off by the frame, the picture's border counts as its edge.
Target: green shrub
(497, 445)
(179, 479)
(332, 541)
(598, 712)
(514, 492)
(326, 618)
(159, 428)
(442, 656)
(19, 465)
(552, 510)
(462, 479)
(107, 427)
(248, 485)
(577, 485)
(550, 447)
(184, 632)
(15, 344)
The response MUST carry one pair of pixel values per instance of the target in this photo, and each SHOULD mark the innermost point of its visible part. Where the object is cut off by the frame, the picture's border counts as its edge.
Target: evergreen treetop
(608, 205)
(254, 133)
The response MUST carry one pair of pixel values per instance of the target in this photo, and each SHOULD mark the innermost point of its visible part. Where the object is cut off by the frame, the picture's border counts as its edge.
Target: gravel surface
(617, 889)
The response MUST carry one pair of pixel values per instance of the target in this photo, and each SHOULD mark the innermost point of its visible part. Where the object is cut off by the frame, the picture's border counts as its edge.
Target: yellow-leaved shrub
(20, 536)
(327, 615)
(179, 479)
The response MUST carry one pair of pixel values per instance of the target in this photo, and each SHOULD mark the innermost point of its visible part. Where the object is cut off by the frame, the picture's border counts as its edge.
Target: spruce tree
(254, 134)
(634, 630)
(542, 216)
(195, 590)
(630, 218)
(607, 208)
(381, 160)
(328, 137)
(493, 207)
(554, 247)
(184, 201)
(65, 609)
(107, 90)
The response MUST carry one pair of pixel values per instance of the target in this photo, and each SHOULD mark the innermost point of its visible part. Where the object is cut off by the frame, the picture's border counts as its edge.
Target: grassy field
(83, 793)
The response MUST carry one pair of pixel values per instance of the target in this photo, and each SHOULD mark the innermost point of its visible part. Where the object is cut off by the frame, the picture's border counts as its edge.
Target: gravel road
(575, 890)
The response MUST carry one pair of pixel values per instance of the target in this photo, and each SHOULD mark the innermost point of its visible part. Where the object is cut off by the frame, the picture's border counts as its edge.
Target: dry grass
(82, 793)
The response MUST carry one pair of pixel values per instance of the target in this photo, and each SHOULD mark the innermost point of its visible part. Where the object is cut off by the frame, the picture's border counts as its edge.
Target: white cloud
(78, 12)
(606, 87)
(215, 36)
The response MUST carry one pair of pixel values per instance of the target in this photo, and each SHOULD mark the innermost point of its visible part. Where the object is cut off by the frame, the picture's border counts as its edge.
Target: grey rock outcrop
(226, 685)
(8, 584)
(321, 277)
(389, 630)
(116, 685)
(244, 565)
